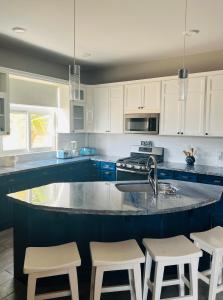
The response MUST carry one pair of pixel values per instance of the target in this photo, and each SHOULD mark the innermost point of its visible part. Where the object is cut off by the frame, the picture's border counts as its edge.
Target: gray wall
(195, 63)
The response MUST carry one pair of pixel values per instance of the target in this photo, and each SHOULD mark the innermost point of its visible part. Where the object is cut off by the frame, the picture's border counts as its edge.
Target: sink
(145, 187)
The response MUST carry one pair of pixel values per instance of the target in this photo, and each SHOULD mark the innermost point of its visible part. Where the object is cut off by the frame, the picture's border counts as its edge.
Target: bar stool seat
(125, 252)
(168, 248)
(211, 241)
(168, 252)
(52, 261)
(125, 255)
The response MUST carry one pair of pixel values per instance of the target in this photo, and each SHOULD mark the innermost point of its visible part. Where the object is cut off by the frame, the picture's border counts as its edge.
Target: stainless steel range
(135, 167)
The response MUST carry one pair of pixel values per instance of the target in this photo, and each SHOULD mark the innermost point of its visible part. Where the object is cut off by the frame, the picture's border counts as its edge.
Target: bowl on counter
(87, 151)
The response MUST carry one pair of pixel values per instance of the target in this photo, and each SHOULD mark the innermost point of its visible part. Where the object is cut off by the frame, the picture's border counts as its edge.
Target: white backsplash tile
(210, 150)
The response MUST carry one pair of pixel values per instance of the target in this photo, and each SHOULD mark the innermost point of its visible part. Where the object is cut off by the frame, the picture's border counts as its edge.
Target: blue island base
(34, 227)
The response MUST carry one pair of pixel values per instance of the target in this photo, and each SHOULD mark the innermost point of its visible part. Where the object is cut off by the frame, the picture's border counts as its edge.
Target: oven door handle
(131, 171)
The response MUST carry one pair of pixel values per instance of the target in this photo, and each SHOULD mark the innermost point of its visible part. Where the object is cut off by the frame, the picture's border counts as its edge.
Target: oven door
(125, 175)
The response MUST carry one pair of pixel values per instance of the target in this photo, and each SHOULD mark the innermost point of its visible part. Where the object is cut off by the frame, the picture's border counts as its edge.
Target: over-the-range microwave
(142, 123)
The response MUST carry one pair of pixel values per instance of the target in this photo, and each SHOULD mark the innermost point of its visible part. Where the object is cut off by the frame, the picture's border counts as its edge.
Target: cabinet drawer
(96, 164)
(108, 175)
(165, 174)
(108, 166)
(185, 176)
(208, 179)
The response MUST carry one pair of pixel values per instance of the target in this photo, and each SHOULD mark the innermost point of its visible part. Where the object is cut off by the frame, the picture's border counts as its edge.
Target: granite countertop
(197, 169)
(111, 198)
(30, 165)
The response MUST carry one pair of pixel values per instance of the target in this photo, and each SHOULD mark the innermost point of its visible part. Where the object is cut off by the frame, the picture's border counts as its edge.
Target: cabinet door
(101, 109)
(89, 110)
(214, 110)
(133, 98)
(116, 109)
(152, 97)
(171, 109)
(193, 114)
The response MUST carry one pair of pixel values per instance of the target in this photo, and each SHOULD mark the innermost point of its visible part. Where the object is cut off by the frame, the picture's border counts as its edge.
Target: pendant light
(74, 70)
(183, 72)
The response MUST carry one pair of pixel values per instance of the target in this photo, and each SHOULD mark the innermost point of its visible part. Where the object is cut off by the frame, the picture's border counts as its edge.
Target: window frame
(28, 110)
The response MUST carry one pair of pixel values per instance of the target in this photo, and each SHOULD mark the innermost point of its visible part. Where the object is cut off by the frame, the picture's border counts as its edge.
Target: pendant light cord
(74, 31)
(185, 31)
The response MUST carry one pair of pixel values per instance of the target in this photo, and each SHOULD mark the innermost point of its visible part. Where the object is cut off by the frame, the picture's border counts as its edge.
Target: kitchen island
(107, 211)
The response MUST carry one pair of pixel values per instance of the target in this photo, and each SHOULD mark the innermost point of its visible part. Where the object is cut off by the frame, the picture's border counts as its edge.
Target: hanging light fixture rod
(74, 69)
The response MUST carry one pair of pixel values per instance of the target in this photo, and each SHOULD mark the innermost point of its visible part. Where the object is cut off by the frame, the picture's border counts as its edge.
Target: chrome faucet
(152, 165)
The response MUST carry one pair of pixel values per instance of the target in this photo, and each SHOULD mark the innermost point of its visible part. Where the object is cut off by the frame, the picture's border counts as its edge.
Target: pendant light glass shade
(183, 84)
(74, 82)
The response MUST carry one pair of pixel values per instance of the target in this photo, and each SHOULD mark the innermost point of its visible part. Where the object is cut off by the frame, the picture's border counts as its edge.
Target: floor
(11, 289)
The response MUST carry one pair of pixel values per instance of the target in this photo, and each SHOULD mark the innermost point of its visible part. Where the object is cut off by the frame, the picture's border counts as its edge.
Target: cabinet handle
(107, 131)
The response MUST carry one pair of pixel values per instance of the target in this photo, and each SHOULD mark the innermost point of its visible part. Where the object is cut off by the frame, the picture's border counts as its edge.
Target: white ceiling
(117, 30)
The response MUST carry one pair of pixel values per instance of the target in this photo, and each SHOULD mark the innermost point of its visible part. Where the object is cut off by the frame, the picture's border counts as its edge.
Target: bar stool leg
(93, 271)
(180, 271)
(131, 283)
(147, 273)
(158, 279)
(193, 266)
(73, 284)
(98, 283)
(216, 262)
(137, 282)
(31, 289)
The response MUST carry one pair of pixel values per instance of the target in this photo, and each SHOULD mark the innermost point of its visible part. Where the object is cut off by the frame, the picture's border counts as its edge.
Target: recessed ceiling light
(18, 29)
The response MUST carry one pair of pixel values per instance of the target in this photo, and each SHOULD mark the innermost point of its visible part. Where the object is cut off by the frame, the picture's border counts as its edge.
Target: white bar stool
(52, 261)
(169, 252)
(211, 241)
(125, 255)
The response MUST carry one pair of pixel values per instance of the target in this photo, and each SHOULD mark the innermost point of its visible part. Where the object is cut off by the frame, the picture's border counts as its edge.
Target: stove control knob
(143, 167)
(118, 164)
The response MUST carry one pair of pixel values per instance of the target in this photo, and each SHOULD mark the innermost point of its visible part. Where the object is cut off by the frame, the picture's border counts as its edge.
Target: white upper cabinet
(4, 104)
(71, 114)
(108, 109)
(214, 111)
(152, 97)
(183, 117)
(133, 98)
(171, 109)
(101, 109)
(143, 97)
(116, 109)
(89, 110)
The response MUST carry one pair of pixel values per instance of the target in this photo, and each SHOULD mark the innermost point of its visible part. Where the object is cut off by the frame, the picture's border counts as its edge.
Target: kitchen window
(32, 129)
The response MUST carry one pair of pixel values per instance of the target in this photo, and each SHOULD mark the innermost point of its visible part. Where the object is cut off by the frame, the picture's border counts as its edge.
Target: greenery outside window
(32, 129)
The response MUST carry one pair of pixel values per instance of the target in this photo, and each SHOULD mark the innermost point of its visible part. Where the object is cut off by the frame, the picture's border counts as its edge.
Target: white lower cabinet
(108, 109)
(183, 117)
(214, 110)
